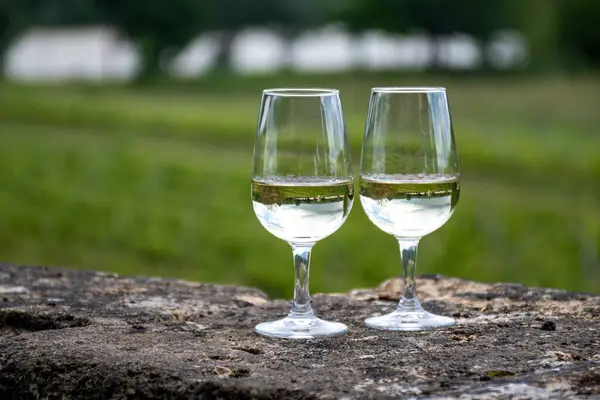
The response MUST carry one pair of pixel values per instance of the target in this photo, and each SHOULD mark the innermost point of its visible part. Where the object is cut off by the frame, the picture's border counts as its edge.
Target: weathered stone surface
(84, 335)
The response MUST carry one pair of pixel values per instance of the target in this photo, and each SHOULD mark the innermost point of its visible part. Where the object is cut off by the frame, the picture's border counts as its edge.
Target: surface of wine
(302, 210)
(408, 206)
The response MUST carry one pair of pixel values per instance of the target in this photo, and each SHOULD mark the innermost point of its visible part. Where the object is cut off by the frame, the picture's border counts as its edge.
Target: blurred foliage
(558, 29)
(579, 30)
(155, 26)
(156, 180)
(437, 17)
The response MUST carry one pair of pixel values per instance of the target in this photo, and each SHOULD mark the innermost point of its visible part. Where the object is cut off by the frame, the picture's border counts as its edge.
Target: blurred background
(127, 126)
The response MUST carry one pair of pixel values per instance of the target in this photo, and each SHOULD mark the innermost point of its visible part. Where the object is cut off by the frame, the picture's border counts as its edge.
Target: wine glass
(409, 184)
(302, 188)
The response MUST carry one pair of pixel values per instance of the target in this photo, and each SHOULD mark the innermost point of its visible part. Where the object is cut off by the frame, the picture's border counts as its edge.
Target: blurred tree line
(562, 33)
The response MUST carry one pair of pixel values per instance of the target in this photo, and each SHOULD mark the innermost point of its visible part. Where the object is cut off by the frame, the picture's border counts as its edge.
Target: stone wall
(86, 335)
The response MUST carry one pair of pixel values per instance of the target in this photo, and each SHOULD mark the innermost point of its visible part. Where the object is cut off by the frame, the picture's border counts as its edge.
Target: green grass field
(156, 181)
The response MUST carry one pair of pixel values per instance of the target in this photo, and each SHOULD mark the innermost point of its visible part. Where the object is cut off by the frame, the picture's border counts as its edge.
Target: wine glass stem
(301, 305)
(408, 255)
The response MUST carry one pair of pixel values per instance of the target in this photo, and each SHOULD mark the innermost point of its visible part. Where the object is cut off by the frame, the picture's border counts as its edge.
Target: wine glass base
(414, 320)
(301, 328)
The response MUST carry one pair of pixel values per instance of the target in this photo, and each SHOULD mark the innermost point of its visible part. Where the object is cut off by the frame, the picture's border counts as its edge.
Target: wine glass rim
(409, 89)
(301, 92)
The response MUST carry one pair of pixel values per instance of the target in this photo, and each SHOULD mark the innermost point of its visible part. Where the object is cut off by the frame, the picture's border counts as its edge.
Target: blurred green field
(156, 181)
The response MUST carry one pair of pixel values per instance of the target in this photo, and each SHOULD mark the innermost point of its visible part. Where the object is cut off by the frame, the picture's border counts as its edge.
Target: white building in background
(100, 54)
(330, 49)
(508, 49)
(258, 51)
(86, 54)
(197, 58)
(459, 51)
(378, 50)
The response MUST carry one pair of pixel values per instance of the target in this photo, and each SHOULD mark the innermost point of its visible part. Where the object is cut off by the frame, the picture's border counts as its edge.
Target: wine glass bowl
(302, 189)
(409, 206)
(409, 184)
(302, 211)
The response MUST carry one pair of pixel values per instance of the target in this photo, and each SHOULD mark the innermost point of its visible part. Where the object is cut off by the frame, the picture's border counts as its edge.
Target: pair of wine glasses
(303, 186)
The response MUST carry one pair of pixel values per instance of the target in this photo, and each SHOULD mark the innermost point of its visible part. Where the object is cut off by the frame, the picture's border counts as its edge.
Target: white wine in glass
(409, 184)
(302, 189)
(303, 211)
